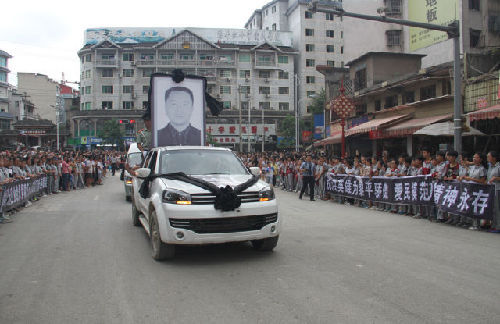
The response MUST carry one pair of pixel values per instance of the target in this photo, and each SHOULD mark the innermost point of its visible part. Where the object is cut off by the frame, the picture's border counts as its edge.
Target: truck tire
(135, 215)
(267, 244)
(161, 251)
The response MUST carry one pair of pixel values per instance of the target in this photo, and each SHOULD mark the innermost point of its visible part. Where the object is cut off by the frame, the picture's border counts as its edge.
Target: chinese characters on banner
(233, 129)
(459, 198)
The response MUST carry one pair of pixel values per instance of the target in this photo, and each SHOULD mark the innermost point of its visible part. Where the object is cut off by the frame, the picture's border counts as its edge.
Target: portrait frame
(162, 89)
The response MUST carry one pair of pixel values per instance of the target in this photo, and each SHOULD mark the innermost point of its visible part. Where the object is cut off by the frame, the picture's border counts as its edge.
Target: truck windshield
(201, 162)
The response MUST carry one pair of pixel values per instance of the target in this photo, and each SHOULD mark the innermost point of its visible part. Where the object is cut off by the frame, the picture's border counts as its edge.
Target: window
(128, 105)
(309, 32)
(145, 89)
(360, 79)
(128, 73)
(341, 34)
(225, 73)
(128, 56)
(428, 92)
(167, 56)
(330, 33)
(107, 73)
(475, 5)
(227, 104)
(283, 59)
(408, 97)
(378, 105)
(475, 36)
(244, 105)
(88, 73)
(145, 105)
(203, 57)
(264, 105)
(265, 60)
(128, 89)
(245, 58)
(245, 74)
(147, 56)
(282, 75)
(88, 90)
(273, 10)
(361, 109)
(446, 87)
(147, 72)
(309, 47)
(107, 89)
(225, 58)
(107, 105)
(391, 101)
(88, 58)
(245, 89)
(264, 74)
(309, 109)
(283, 90)
(283, 106)
(3, 61)
(329, 16)
(310, 79)
(108, 56)
(393, 37)
(330, 48)
(88, 105)
(393, 7)
(310, 63)
(330, 63)
(225, 90)
(264, 90)
(186, 56)
(342, 52)
(310, 94)
(273, 27)
(308, 15)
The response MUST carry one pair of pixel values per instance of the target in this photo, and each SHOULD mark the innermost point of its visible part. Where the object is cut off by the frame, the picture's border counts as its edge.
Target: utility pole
(239, 106)
(297, 129)
(248, 129)
(453, 31)
(263, 130)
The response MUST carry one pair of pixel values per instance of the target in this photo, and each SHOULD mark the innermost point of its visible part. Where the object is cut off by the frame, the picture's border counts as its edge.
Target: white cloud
(44, 36)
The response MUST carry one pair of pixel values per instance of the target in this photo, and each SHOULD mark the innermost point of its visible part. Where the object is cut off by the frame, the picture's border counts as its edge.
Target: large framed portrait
(177, 110)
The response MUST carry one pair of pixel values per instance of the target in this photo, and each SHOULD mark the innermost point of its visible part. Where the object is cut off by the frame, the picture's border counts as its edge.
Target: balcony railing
(106, 62)
(146, 62)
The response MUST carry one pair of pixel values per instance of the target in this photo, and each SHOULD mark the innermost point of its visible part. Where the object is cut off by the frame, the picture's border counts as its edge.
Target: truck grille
(224, 225)
(209, 199)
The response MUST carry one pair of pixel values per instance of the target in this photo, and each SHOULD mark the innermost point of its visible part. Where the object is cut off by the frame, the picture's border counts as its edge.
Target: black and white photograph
(177, 111)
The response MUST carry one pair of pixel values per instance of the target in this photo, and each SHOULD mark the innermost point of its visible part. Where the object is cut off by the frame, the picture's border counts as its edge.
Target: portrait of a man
(178, 112)
(179, 108)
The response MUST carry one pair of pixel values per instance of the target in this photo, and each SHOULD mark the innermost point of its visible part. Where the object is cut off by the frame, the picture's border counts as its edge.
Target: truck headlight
(266, 194)
(177, 197)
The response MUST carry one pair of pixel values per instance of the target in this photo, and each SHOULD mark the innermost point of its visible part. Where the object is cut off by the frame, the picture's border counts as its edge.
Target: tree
(112, 133)
(318, 104)
(287, 129)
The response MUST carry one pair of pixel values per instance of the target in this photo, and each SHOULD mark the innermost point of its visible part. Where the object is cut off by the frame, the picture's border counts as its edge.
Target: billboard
(439, 12)
(319, 124)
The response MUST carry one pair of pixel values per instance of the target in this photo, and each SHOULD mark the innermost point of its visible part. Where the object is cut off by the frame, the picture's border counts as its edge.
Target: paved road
(76, 258)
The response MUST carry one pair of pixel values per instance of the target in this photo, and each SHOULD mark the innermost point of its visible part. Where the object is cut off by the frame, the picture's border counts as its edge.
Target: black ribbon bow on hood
(226, 198)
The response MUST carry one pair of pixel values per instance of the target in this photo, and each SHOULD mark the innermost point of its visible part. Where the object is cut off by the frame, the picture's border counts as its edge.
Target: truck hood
(220, 180)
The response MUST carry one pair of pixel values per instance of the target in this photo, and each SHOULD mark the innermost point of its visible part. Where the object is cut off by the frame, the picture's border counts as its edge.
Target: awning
(446, 129)
(410, 126)
(487, 113)
(335, 139)
(374, 125)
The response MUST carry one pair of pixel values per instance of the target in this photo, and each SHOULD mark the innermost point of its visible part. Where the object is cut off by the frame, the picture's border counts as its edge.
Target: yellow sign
(439, 12)
(84, 140)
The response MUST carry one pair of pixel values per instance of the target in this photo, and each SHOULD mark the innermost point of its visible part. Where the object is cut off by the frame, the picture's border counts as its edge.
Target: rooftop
(386, 54)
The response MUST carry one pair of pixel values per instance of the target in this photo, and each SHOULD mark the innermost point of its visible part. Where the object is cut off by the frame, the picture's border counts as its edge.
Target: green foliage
(112, 133)
(318, 104)
(287, 127)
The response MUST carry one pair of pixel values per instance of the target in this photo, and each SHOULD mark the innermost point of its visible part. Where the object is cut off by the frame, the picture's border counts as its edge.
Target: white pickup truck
(176, 211)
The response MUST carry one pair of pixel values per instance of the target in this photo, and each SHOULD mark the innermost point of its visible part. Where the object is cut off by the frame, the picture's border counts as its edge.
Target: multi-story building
(317, 37)
(41, 91)
(4, 81)
(246, 70)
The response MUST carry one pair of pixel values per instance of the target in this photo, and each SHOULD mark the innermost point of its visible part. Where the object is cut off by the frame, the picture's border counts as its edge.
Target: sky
(45, 36)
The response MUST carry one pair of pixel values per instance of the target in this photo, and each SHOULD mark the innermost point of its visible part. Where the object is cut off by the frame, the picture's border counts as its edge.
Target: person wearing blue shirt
(307, 170)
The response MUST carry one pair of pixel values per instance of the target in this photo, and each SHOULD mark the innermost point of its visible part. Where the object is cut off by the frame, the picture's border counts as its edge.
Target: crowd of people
(65, 171)
(305, 173)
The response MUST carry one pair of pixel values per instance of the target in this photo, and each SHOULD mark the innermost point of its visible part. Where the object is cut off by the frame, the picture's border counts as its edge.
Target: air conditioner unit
(228, 80)
(134, 96)
(266, 80)
(247, 80)
(132, 63)
(268, 95)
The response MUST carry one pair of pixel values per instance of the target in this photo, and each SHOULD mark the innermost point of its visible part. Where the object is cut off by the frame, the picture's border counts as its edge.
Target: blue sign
(94, 140)
(319, 124)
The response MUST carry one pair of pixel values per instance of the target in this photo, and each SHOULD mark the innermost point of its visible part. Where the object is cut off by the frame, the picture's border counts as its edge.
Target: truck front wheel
(161, 251)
